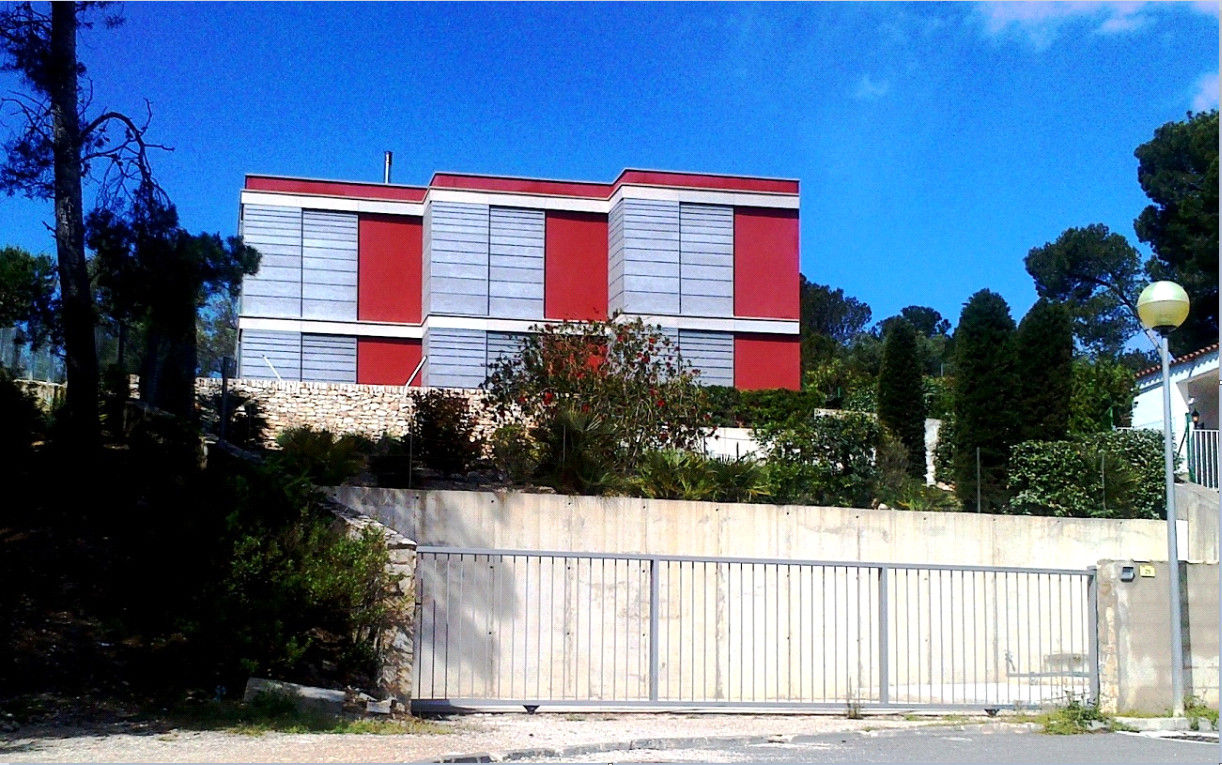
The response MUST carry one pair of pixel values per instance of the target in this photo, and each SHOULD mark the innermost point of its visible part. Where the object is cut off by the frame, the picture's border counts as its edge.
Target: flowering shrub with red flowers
(626, 374)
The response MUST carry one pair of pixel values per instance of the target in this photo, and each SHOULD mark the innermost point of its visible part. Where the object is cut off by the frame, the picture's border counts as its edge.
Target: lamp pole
(1162, 307)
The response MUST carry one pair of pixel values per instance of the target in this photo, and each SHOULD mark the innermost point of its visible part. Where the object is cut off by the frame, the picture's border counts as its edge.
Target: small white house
(1194, 388)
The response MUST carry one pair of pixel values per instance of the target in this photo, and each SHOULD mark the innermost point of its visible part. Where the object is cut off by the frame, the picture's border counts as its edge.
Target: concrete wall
(621, 524)
(1135, 630)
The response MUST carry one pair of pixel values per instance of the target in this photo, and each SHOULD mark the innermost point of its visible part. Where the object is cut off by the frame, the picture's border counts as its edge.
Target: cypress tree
(901, 397)
(986, 389)
(1043, 357)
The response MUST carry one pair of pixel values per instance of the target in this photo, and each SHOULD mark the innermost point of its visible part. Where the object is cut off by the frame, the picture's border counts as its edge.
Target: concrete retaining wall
(621, 524)
(1135, 633)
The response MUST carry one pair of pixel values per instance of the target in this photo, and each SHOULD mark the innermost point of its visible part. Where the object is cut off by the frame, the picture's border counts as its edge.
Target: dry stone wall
(370, 410)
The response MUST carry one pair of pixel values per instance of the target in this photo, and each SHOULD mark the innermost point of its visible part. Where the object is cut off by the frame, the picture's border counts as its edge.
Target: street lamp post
(1163, 306)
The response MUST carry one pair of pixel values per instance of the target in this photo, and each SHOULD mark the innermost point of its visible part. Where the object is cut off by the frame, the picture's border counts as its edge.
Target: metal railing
(1203, 457)
(516, 627)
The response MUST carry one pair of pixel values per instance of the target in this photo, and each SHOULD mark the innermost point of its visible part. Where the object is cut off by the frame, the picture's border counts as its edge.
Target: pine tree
(1043, 357)
(901, 397)
(986, 389)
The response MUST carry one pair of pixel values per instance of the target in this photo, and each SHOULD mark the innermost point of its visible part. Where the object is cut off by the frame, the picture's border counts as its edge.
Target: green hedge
(733, 408)
(1115, 474)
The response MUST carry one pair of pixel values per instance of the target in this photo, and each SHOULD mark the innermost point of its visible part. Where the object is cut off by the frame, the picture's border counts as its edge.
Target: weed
(273, 712)
(1077, 717)
(1196, 710)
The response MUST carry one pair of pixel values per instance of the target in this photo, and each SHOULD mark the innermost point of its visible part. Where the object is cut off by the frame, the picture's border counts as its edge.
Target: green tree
(162, 275)
(985, 392)
(56, 148)
(216, 332)
(901, 397)
(829, 321)
(27, 295)
(1043, 357)
(619, 376)
(1096, 274)
(1101, 397)
(1178, 170)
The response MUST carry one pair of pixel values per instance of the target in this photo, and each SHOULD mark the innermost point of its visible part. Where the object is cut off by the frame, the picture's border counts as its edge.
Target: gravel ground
(490, 733)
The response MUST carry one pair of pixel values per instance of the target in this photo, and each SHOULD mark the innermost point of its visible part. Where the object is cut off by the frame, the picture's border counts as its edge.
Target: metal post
(1173, 556)
(654, 598)
(978, 503)
(884, 676)
(1092, 637)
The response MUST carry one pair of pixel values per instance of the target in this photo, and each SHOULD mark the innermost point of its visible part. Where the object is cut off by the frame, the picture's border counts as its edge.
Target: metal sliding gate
(528, 627)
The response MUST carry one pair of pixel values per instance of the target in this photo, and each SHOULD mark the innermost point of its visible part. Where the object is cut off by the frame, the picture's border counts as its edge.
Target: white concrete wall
(513, 520)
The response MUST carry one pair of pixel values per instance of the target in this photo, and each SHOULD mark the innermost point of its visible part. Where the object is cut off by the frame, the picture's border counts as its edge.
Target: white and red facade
(362, 282)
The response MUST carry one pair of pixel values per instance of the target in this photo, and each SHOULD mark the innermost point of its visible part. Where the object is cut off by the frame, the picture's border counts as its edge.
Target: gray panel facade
(256, 348)
(706, 260)
(503, 344)
(643, 257)
(457, 358)
(711, 353)
(329, 265)
(456, 259)
(328, 358)
(515, 263)
(274, 291)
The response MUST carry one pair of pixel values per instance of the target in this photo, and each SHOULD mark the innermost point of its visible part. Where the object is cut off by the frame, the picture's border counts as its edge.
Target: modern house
(1194, 410)
(388, 284)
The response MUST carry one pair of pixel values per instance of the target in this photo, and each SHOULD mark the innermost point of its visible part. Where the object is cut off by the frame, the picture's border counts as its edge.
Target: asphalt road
(937, 747)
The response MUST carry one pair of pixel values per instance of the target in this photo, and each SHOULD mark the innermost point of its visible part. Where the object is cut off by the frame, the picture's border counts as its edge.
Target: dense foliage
(578, 379)
(985, 392)
(443, 427)
(1178, 170)
(1101, 395)
(1043, 358)
(1116, 474)
(1096, 274)
(901, 396)
(27, 295)
(825, 460)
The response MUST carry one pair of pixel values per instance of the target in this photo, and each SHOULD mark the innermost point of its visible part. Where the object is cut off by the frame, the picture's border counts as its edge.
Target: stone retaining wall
(370, 410)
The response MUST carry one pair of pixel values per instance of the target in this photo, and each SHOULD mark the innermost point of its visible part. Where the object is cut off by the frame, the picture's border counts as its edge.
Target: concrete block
(320, 700)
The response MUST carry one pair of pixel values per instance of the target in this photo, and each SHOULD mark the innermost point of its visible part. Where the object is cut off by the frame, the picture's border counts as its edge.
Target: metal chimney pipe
(386, 169)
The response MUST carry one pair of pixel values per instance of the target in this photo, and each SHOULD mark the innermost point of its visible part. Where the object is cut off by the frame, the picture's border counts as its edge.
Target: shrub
(731, 407)
(444, 432)
(738, 480)
(624, 375)
(514, 454)
(318, 455)
(297, 590)
(23, 423)
(672, 474)
(1106, 475)
(827, 460)
(575, 451)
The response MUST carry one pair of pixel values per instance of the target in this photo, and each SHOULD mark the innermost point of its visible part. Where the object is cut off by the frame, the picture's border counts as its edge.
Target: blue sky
(936, 143)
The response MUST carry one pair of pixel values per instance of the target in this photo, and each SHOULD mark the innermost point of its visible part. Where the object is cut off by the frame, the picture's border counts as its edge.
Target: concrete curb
(1160, 724)
(695, 742)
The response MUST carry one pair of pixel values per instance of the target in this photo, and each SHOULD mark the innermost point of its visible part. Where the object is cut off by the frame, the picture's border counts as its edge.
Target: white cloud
(869, 90)
(1040, 23)
(1206, 94)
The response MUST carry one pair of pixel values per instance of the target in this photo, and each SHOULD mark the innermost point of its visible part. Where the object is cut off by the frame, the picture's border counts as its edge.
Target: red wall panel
(386, 360)
(766, 263)
(705, 181)
(575, 266)
(767, 361)
(335, 188)
(388, 280)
